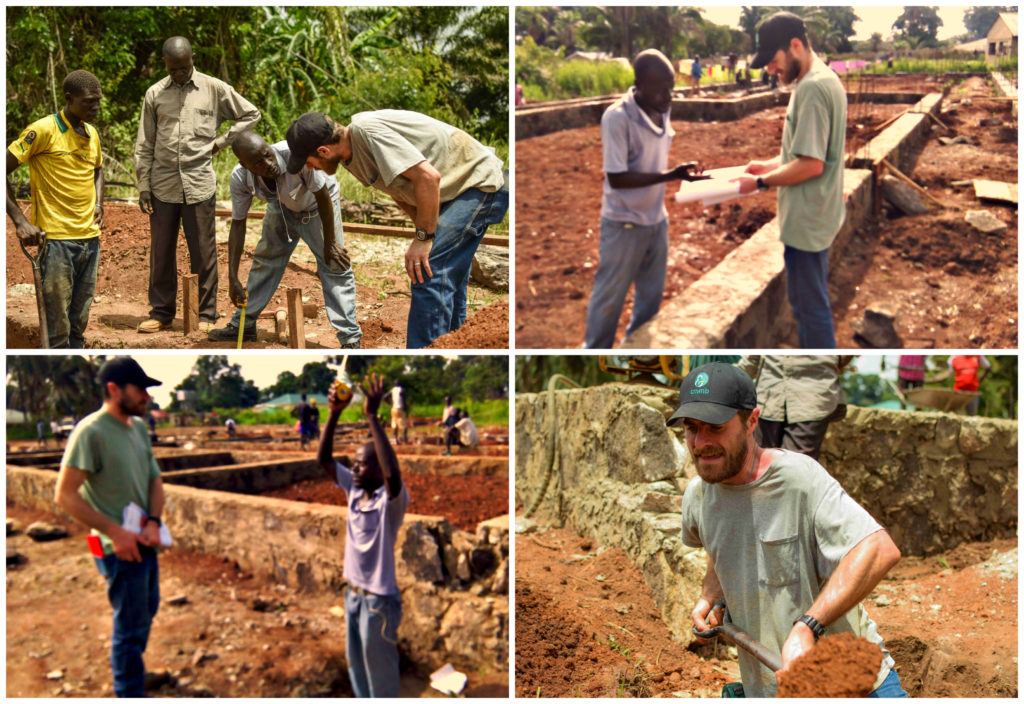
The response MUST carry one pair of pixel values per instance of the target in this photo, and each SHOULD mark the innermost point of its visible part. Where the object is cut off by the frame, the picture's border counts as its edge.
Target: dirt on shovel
(840, 665)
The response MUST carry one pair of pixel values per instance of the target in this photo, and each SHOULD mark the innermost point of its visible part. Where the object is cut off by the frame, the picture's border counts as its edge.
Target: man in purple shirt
(377, 500)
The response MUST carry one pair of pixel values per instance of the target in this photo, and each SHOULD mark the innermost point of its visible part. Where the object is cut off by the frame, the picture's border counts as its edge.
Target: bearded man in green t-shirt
(788, 551)
(108, 464)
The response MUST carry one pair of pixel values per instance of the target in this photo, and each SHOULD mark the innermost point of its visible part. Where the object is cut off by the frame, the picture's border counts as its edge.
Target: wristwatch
(761, 184)
(816, 628)
(422, 235)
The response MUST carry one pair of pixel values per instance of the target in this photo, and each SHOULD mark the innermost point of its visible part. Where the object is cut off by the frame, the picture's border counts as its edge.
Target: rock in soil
(490, 268)
(877, 329)
(15, 558)
(984, 221)
(12, 527)
(903, 197)
(44, 532)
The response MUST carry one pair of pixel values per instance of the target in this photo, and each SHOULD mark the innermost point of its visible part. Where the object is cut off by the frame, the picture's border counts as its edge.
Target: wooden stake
(913, 184)
(296, 320)
(281, 325)
(190, 302)
(940, 123)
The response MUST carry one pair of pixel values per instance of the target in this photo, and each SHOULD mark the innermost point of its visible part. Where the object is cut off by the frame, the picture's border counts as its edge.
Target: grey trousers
(198, 220)
(803, 437)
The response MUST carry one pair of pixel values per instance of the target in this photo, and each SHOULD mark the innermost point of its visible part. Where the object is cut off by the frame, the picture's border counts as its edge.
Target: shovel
(735, 636)
(37, 278)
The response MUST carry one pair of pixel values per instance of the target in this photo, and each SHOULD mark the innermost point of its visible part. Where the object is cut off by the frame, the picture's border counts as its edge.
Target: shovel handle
(734, 635)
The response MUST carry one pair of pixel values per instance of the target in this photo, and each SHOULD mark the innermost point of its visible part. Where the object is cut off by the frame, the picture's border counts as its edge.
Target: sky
(872, 19)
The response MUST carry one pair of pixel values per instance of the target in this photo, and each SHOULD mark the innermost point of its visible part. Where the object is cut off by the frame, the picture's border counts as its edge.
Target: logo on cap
(701, 380)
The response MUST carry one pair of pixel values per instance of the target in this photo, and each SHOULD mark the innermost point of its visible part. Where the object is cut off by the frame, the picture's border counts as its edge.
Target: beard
(331, 164)
(793, 68)
(132, 409)
(729, 468)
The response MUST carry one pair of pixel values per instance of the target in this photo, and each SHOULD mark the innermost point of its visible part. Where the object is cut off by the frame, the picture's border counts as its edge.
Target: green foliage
(979, 18)
(918, 26)
(866, 389)
(448, 62)
(940, 64)
(48, 387)
(534, 371)
(217, 384)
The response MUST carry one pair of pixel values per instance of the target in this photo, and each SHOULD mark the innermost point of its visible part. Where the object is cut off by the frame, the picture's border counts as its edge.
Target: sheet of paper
(131, 520)
(716, 189)
(448, 680)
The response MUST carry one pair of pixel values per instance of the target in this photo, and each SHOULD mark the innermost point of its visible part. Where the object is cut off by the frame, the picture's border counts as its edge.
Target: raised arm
(325, 455)
(856, 575)
(234, 107)
(373, 391)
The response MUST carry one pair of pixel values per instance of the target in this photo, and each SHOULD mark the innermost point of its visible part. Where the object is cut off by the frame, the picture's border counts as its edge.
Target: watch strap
(816, 628)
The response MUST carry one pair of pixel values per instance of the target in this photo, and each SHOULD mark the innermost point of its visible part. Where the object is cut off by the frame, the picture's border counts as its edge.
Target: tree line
(448, 62)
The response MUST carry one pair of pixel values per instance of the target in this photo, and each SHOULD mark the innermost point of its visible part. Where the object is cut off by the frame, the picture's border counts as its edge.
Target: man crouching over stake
(377, 500)
(790, 553)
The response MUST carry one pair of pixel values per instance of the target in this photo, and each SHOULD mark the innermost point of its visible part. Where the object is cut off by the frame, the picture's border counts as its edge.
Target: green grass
(490, 412)
(939, 66)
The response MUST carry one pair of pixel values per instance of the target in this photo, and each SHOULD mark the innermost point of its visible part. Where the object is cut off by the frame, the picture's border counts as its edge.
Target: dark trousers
(198, 221)
(803, 437)
(133, 589)
(69, 270)
(807, 288)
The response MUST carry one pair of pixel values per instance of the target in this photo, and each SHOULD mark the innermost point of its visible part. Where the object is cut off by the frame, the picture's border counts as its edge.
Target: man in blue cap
(108, 464)
(789, 552)
(808, 171)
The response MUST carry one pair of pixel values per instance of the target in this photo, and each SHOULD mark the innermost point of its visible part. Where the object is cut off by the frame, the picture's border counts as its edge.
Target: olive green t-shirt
(386, 143)
(775, 542)
(119, 461)
(811, 213)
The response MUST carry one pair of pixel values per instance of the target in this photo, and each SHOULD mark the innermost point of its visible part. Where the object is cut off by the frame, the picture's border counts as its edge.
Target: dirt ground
(237, 636)
(463, 500)
(121, 303)
(558, 204)
(957, 287)
(586, 625)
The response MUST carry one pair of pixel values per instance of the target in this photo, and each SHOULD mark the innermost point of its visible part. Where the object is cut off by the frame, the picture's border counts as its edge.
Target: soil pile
(840, 665)
(487, 328)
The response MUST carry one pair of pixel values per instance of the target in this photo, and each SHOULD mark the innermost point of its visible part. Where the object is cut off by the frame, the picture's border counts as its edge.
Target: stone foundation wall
(934, 480)
(454, 584)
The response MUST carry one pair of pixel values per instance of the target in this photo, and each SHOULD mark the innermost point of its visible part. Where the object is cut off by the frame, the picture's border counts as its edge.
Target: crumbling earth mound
(840, 665)
(485, 329)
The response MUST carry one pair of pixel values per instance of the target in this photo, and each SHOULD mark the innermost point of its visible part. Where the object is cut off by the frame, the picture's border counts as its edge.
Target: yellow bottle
(343, 388)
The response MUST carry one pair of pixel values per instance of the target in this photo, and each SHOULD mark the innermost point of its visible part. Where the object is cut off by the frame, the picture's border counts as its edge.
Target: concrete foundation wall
(934, 480)
(252, 478)
(900, 143)
(446, 618)
(554, 117)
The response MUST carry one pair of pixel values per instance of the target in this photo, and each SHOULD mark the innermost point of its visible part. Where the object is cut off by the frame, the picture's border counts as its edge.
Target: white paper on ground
(448, 680)
(717, 189)
(131, 520)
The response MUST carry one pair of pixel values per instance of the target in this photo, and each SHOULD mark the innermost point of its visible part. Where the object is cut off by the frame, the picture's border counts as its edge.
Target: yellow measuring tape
(241, 328)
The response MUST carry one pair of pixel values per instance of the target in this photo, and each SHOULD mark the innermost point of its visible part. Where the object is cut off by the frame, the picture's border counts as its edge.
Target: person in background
(966, 376)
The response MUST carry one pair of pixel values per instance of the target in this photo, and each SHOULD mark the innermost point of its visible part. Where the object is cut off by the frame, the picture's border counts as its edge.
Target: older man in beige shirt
(177, 186)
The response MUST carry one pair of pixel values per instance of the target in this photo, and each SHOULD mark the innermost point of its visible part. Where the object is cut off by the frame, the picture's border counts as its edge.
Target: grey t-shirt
(294, 191)
(119, 461)
(386, 143)
(632, 142)
(811, 213)
(775, 542)
(371, 534)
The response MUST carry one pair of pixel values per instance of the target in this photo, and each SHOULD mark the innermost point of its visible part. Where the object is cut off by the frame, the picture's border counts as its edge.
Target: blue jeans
(371, 624)
(69, 282)
(807, 288)
(282, 230)
(439, 303)
(630, 255)
(133, 589)
(891, 688)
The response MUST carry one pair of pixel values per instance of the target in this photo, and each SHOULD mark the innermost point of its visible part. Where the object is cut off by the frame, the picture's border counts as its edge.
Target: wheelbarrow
(37, 278)
(734, 635)
(938, 398)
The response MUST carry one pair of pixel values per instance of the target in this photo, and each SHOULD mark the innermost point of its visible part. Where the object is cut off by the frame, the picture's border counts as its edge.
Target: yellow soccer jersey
(62, 165)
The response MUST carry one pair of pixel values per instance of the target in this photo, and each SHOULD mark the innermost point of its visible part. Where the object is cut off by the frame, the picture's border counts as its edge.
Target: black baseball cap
(125, 370)
(774, 34)
(713, 392)
(304, 135)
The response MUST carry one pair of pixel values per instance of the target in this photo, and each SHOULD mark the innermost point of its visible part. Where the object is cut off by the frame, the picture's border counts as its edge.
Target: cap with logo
(713, 392)
(308, 132)
(125, 370)
(775, 33)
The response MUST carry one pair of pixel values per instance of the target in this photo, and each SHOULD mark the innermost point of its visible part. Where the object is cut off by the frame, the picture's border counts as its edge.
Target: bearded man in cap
(808, 171)
(788, 551)
(108, 464)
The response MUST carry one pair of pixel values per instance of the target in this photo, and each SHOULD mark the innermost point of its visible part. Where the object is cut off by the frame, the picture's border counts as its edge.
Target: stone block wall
(454, 584)
(934, 480)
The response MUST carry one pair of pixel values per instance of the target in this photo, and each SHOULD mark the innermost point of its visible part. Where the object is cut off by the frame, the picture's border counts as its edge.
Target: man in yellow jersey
(66, 180)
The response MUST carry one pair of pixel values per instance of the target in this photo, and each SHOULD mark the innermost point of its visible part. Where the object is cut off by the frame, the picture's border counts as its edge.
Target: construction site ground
(954, 286)
(235, 636)
(121, 302)
(559, 183)
(586, 625)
